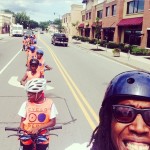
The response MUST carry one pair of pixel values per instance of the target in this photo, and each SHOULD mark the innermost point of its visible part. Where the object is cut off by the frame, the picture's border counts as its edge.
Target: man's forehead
(136, 103)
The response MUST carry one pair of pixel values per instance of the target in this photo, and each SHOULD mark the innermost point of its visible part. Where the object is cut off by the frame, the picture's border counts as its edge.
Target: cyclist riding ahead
(42, 64)
(37, 113)
(32, 73)
(31, 54)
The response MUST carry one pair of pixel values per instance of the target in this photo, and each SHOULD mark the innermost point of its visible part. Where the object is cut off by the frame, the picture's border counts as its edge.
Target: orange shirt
(31, 76)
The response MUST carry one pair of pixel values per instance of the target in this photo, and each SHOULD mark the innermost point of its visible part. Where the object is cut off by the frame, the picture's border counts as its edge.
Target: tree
(75, 26)
(58, 22)
(44, 25)
(33, 24)
(9, 11)
(23, 19)
(97, 30)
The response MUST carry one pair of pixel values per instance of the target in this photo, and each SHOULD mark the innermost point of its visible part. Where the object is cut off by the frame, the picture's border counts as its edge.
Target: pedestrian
(125, 114)
(37, 113)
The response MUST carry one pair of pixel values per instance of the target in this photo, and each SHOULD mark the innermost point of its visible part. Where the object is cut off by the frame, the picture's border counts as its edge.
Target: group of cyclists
(36, 65)
(37, 112)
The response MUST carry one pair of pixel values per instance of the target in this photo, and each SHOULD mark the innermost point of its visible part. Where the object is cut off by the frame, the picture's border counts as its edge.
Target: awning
(94, 24)
(131, 21)
(81, 25)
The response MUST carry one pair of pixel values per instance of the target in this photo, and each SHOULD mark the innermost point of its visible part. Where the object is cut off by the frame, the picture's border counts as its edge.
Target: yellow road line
(66, 77)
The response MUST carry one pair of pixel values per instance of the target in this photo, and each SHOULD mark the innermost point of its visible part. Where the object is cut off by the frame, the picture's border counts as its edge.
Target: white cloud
(40, 10)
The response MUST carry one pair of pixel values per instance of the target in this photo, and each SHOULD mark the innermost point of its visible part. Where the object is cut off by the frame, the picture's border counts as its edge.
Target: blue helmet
(135, 84)
(40, 52)
(32, 48)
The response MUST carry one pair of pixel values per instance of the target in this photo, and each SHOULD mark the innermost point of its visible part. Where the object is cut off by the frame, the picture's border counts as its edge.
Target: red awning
(81, 25)
(131, 21)
(99, 24)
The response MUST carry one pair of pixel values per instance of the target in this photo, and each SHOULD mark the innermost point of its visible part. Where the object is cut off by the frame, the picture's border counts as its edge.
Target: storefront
(130, 30)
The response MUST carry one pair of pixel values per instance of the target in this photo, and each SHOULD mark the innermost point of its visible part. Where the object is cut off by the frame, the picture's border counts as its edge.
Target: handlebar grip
(54, 128)
(11, 129)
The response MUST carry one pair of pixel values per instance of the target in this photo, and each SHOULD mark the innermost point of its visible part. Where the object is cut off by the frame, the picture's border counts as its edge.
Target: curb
(129, 65)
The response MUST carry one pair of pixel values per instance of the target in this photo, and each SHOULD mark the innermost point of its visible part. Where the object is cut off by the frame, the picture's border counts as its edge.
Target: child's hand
(34, 130)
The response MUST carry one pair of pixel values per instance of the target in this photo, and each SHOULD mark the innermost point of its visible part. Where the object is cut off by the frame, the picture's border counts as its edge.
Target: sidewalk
(136, 62)
(2, 36)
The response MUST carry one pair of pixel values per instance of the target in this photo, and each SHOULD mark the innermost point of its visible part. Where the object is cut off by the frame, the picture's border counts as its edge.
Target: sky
(40, 10)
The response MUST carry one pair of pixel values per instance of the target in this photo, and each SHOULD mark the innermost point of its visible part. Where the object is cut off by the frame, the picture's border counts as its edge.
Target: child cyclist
(31, 54)
(37, 113)
(32, 73)
(42, 64)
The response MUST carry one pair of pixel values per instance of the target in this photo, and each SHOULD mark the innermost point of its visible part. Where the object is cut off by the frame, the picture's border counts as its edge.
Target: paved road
(79, 79)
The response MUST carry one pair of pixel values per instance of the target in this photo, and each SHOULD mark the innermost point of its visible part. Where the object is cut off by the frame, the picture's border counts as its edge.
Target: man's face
(134, 135)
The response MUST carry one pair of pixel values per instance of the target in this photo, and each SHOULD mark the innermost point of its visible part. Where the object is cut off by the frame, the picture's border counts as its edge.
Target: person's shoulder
(49, 100)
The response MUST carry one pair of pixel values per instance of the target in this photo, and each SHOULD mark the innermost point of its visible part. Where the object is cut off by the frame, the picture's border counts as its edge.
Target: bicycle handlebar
(18, 129)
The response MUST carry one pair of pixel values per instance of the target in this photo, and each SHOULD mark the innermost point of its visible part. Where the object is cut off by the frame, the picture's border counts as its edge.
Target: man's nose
(138, 126)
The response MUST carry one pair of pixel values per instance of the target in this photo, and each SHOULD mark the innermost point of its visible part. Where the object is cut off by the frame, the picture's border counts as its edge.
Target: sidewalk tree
(75, 25)
(97, 30)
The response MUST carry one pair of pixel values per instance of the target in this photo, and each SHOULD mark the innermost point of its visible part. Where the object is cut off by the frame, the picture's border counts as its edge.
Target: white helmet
(35, 85)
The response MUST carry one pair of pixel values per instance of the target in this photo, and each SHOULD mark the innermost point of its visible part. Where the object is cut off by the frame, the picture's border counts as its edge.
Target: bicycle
(37, 138)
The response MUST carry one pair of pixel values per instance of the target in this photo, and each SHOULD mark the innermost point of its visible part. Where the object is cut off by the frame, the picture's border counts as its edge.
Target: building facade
(71, 20)
(6, 20)
(119, 21)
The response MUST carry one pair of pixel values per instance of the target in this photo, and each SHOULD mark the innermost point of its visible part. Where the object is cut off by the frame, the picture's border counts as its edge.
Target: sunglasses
(127, 114)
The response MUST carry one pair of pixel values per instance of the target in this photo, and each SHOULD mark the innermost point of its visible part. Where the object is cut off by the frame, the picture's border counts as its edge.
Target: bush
(112, 45)
(93, 41)
(139, 51)
(103, 43)
(74, 37)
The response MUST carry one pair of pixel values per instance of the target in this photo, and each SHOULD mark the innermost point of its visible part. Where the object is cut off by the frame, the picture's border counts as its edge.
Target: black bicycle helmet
(128, 84)
(34, 62)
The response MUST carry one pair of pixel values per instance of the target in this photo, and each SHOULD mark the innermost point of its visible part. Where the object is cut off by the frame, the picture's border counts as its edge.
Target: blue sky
(40, 10)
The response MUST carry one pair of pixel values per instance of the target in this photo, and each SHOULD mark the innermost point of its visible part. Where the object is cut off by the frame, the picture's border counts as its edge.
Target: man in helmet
(32, 73)
(125, 114)
(37, 113)
(42, 64)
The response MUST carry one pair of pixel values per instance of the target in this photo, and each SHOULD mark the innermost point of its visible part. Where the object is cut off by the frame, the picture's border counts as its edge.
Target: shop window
(114, 10)
(135, 6)
(109, 34)
(148, 38)
(132, 37)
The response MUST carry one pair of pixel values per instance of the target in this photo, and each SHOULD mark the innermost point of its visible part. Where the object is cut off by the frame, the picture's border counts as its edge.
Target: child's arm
(21, 122)
(22, 82)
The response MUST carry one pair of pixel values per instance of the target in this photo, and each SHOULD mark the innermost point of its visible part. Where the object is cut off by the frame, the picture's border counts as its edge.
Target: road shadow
(96, 49)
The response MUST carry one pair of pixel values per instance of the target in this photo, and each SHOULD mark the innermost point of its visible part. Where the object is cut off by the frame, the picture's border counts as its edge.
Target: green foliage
(103, 43)
(139, 51)
(112, 45)
(22, 18)
(44, 25)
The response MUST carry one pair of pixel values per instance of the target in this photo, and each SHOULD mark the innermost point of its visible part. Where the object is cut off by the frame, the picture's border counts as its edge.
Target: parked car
(59, 38)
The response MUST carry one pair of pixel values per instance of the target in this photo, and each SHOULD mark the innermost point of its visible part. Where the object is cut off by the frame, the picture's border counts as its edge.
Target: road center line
(2, 70)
